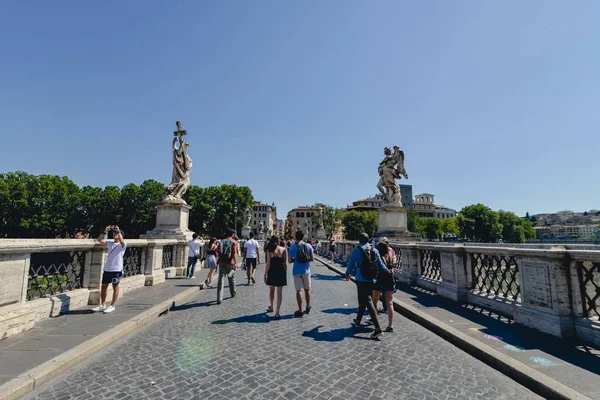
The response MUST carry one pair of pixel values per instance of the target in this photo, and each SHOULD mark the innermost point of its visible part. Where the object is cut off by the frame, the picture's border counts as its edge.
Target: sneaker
(389, 329)
(192, 277)
(298, 314)
(308, 309)
(109, 309)
(206, 283)
(375, 335)
(356, 323)
(100, 308)
(253, 281)
(218, 301)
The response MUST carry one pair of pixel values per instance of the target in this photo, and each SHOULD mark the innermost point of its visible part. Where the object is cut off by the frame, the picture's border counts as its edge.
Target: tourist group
(370, 266)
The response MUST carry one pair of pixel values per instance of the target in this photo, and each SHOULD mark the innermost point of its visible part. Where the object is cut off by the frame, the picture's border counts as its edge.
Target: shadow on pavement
(79, 312)
(334, 335)
(187, 306)
(260, 318)
(344, 311)
(578, 354)
(321, 277)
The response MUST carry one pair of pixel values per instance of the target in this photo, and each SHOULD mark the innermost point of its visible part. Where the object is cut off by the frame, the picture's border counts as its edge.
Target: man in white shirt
(251, 257)
(194, 252)
(113, 269)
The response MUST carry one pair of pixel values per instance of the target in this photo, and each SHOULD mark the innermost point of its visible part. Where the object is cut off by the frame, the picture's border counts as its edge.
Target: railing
(552, 288)
(431, 264)
(54, 273)
(496, 274)
(132, 261)
(589, 286)
(167, 259)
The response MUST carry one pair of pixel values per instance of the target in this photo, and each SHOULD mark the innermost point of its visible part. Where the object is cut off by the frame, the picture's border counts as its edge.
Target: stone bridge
(472, 321)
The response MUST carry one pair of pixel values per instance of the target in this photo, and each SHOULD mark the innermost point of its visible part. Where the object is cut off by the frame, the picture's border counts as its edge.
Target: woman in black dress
(276, 272)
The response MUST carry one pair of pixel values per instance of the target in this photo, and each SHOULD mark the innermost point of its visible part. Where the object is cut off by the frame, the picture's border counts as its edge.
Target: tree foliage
(413, 221)
(332, 220)
(431, 228)
(479, 223)
(450, 227)
(48, 206)
(515, 229)
(356, 222)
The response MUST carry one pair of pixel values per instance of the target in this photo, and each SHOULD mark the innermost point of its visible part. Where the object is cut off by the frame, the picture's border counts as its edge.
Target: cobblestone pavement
(235, 351)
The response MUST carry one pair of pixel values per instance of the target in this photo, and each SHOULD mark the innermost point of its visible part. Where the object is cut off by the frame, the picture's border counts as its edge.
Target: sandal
(269, 309)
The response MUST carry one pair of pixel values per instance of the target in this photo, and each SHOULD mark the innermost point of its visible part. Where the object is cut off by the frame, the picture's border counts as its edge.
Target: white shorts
(302, 281)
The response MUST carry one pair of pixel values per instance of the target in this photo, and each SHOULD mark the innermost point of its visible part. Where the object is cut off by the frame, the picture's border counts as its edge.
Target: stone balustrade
(42, 278)
(552, 288)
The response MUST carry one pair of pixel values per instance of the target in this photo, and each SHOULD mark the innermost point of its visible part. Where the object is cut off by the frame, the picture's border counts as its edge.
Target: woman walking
(385, 283)
(212, 254)
(276, 272)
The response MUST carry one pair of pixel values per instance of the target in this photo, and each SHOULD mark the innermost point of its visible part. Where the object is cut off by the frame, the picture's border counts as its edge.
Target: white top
(195, 246)
(114, 262)
(251, 247)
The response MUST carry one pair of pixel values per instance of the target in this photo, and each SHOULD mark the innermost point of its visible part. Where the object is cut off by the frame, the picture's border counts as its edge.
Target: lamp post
(235, 210)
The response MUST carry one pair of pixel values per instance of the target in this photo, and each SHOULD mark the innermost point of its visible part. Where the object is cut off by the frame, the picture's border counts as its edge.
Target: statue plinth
(393, 222)
(246, 232)
(171, 222)
(321, 234)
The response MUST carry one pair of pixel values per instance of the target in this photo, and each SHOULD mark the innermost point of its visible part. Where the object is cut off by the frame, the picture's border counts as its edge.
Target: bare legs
(299, 299)
(271, 296)
(390, 307)
(376, 297)
(104, 290)
(211, 271)
(279, 298)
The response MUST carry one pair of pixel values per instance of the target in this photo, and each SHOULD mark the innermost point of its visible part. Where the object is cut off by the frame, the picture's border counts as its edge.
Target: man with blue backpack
(365, 264)
(301, 254)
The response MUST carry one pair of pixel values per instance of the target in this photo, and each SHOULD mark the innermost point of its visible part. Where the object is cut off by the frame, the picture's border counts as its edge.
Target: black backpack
(302, 253)
(368, 267)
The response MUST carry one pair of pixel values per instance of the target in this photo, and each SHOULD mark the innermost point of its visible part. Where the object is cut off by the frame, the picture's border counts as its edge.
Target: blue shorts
(111, 277)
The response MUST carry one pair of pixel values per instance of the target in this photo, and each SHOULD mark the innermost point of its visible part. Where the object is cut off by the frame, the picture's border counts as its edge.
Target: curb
(521, 373)
(32, 379)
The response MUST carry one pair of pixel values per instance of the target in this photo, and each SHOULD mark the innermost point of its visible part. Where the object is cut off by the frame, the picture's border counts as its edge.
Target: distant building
(374, 202)
(280, 228)
(442, 212)
(301, 219)
(424, 205)
(267, 214)
(587, 233)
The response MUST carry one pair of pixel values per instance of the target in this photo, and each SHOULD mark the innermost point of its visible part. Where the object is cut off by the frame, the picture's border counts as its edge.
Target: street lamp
(235, 210)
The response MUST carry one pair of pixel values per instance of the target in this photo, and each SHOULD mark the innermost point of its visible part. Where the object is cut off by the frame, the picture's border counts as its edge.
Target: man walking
(251, 257)
(227, 263)
(113, 269)
(364, 264)
(301, 254)
(194, 252)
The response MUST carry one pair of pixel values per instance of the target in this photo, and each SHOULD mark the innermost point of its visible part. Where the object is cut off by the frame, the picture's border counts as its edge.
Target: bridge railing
(551, 288)
(42, 278)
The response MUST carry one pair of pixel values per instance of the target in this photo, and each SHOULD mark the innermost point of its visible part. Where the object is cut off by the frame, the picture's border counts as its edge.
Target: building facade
(301, 219)
(424, 205)
(267, 214)
(280, 228)
(374, 202)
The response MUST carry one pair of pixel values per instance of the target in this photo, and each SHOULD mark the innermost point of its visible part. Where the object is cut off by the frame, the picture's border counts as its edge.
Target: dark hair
(212, 241)
(230, 233)
(273, 243)
(195, 236)
(299, 235)
(383, 248)
(251, 235)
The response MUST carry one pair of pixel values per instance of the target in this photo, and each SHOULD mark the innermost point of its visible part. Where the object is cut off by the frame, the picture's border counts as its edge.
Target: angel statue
(261, 227)
(248, 217)
(390, 169)
(182, 165)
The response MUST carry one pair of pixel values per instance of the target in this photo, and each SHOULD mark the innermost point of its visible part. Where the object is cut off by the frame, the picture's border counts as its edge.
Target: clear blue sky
(492, 102)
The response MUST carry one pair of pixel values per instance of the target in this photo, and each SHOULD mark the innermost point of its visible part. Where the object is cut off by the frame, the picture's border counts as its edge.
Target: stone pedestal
(171, 222)
(321, 234)
(393, 223)
(246, 232)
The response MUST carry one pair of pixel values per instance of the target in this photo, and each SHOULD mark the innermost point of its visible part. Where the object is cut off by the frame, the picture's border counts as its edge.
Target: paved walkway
(236, 351)
(53, 336)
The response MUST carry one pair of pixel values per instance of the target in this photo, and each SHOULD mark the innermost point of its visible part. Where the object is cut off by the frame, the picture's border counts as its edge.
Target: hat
(363, 238)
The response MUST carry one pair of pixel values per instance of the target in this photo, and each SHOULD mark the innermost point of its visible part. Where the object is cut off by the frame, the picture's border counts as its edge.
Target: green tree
(515, 229)
(356, 222)
(413, 221)
(332, 220)
(431, 228)
(450, 227)
(479, 223)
